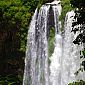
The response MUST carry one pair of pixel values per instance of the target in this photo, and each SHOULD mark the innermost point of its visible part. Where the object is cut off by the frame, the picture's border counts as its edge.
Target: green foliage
(77, 83)
(32, 4)
(15, 16)
(51, 41)
(10, 80)
(65, 8)
(51, 46)
(40, 4)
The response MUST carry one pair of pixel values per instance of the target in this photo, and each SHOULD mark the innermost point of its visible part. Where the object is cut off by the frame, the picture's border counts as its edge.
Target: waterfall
(71, 53)
(36, 61)
(55, 67)
(65, 60)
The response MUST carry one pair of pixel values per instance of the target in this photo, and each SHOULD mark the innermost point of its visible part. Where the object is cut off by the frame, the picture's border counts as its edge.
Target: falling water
(65, 59)
(31, 52)
(55, 66)
(36, 66)
(36, 61)
(71, 53)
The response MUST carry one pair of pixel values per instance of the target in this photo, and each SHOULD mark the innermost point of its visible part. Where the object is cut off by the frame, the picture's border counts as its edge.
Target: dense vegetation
(15, 16)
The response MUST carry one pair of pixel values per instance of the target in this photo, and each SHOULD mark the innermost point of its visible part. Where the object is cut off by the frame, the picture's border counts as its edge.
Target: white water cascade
(65, 58)
(36, 61)
(71, 53)
(36, 66)
(55, 67)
